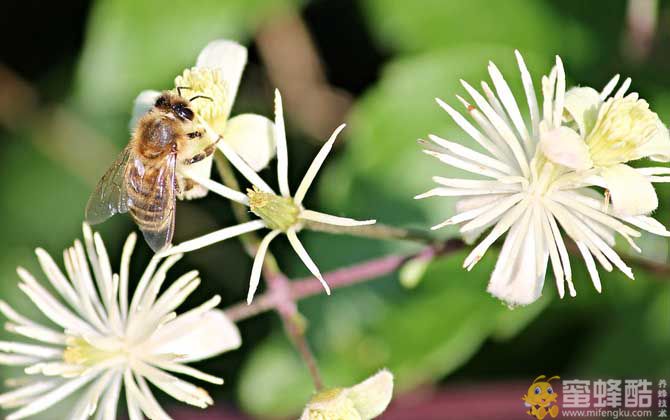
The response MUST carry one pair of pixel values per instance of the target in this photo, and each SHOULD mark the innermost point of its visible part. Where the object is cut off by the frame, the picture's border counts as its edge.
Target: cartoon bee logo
(541, 398)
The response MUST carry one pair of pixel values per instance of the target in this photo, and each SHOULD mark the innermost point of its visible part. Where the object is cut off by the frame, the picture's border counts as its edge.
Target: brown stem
(358, 273)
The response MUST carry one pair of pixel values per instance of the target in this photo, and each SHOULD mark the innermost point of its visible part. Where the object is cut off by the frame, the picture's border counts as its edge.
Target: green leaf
(420, 335)
(523, 24)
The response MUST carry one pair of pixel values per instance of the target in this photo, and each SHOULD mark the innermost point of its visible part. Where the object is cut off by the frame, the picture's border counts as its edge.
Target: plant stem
(358, 273)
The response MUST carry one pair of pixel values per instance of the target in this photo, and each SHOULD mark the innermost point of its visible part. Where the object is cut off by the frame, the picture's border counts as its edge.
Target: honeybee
(142, 179)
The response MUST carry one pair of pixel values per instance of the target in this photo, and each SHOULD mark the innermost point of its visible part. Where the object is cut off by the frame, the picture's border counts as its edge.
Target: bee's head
(176, 105)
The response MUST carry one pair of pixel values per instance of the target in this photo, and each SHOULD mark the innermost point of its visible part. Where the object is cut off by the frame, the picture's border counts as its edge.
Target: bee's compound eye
(538, 391)
(183, 112)
(550, 391)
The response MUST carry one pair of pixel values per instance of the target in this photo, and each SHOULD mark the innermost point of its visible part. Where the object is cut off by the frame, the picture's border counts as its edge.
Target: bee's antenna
(179, 88)
(200, 96)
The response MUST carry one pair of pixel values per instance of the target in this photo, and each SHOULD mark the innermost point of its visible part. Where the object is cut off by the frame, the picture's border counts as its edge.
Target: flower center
(332, 405)
(623, 126)
(280, 213)
(81, 352)
(205, 82)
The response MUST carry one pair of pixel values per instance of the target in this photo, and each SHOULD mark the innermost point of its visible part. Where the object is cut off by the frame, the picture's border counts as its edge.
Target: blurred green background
(70, 71)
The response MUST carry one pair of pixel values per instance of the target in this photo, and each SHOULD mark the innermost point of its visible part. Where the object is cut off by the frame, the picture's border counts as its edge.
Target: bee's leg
(194, 135)
(206, 152)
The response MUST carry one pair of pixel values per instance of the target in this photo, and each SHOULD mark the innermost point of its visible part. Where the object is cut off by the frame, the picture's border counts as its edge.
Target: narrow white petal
(50, 398)
(306, 259)
(507, 98)
(56, 277)
(257, 268)
(609, 88)
(214, 237)
(282, 151)
(110, 399)
(315, 166)
(139, 403)
(487, 144)
(185, 370)
(467, 153)
(501, 127)
(553, 253)
(647, 223)
(173, 386)
(126, 254)
(499, 209)
(515, 278)
(590, 265)
(333, 220)
(623, 89)
(527, 82)
(500, 228)
(217, 188)
(466, 165)
(48, 305)
(560, 92)
(35, 388)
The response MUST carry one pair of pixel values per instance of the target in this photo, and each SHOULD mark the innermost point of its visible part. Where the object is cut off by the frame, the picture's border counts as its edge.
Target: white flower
(527, 196)
(606, 132)
(281, 213)
(101, 342)
(216, 75)
(364, 401)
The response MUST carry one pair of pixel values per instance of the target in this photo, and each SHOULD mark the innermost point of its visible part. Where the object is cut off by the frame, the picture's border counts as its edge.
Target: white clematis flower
(363, 401)
(282, 213)
(528, 196)
(100, 342)
(605, 133)
(216, 75)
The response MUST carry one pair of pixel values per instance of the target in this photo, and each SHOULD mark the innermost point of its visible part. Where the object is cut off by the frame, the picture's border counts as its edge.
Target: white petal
(560, 92)
(609, 87)
(487, 144)
(230, 58)
(252, 137)
(315, 166)
(590, 265)
(515, 278)
(215, 187)
(282, 151)
(372, 396)
(258, 264)
(503, 129)
(565, 147)
(658, 147)
(582, 104)
(530, 94)
(306, 259)
(632, 194)
(26, 391)
(333, 220)
(50, 398)
(143, 103)
(214, 237)
(199, 338)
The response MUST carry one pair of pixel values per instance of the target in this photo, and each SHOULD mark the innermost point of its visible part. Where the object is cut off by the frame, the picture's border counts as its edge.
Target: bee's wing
(158, 226)
(110, 196)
